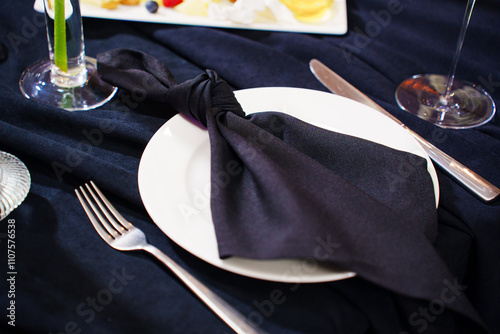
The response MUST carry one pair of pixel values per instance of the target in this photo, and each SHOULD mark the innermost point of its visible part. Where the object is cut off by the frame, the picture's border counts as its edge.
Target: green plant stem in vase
(68, 79)
(60, 51)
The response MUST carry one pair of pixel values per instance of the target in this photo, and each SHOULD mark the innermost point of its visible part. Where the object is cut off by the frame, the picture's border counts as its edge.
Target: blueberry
(152, 6)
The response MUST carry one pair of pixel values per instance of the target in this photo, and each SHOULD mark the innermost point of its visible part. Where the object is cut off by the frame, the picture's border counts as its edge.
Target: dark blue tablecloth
(69, 281)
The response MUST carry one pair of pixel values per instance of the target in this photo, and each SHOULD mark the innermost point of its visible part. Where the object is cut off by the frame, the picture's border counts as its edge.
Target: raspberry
(171, 3)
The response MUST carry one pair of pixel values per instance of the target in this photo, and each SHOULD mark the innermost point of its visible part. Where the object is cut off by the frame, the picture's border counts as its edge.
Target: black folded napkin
(282, 188)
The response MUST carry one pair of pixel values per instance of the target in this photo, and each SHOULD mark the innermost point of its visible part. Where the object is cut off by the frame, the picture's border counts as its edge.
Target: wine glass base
(36, 84)
(15, 182)
(469, 106)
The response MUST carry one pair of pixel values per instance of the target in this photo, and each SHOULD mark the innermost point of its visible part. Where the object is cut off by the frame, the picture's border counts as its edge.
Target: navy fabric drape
(68, 279)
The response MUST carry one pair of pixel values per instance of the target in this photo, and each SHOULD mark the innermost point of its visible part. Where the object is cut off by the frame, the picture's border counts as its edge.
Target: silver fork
(120, 234)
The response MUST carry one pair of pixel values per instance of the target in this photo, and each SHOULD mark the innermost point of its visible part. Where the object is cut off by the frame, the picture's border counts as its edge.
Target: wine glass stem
(451, 75)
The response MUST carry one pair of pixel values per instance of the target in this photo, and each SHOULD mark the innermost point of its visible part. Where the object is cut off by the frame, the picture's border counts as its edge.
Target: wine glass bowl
(465, 106)
(443, 100)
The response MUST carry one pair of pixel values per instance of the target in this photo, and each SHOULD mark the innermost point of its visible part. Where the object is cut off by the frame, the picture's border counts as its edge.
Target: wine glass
(444, 101)
(68, 79)
(15, 183)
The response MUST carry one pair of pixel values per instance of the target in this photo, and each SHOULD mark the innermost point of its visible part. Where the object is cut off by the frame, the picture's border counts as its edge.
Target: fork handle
(226, 312)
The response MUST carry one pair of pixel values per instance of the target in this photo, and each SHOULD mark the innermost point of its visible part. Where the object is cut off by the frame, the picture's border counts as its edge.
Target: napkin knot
(207, 93)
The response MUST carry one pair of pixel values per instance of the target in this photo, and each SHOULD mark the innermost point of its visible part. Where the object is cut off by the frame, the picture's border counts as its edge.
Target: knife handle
(474, 182)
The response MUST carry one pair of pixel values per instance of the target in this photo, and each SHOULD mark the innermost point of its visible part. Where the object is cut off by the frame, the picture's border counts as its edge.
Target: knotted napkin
(282, 188)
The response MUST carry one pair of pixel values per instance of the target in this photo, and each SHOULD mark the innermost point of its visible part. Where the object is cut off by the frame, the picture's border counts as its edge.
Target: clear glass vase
(68, 79)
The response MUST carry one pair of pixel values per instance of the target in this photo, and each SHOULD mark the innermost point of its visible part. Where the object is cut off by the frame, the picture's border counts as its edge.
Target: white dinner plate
(335, 25)
(174, 175)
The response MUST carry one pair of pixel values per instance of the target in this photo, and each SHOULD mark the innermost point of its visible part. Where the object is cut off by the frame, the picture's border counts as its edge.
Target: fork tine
(116, 227)
(108, 225)
(136, 240)
(124, 222)
(97, 225)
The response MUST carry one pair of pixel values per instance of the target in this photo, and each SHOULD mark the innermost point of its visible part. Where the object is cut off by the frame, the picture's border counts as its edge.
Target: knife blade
(473, 182)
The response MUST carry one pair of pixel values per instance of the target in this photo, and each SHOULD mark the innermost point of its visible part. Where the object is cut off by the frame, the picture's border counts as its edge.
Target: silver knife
(472, 181)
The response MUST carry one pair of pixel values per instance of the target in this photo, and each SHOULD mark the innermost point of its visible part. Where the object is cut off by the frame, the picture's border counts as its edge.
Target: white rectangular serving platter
(336, 25)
